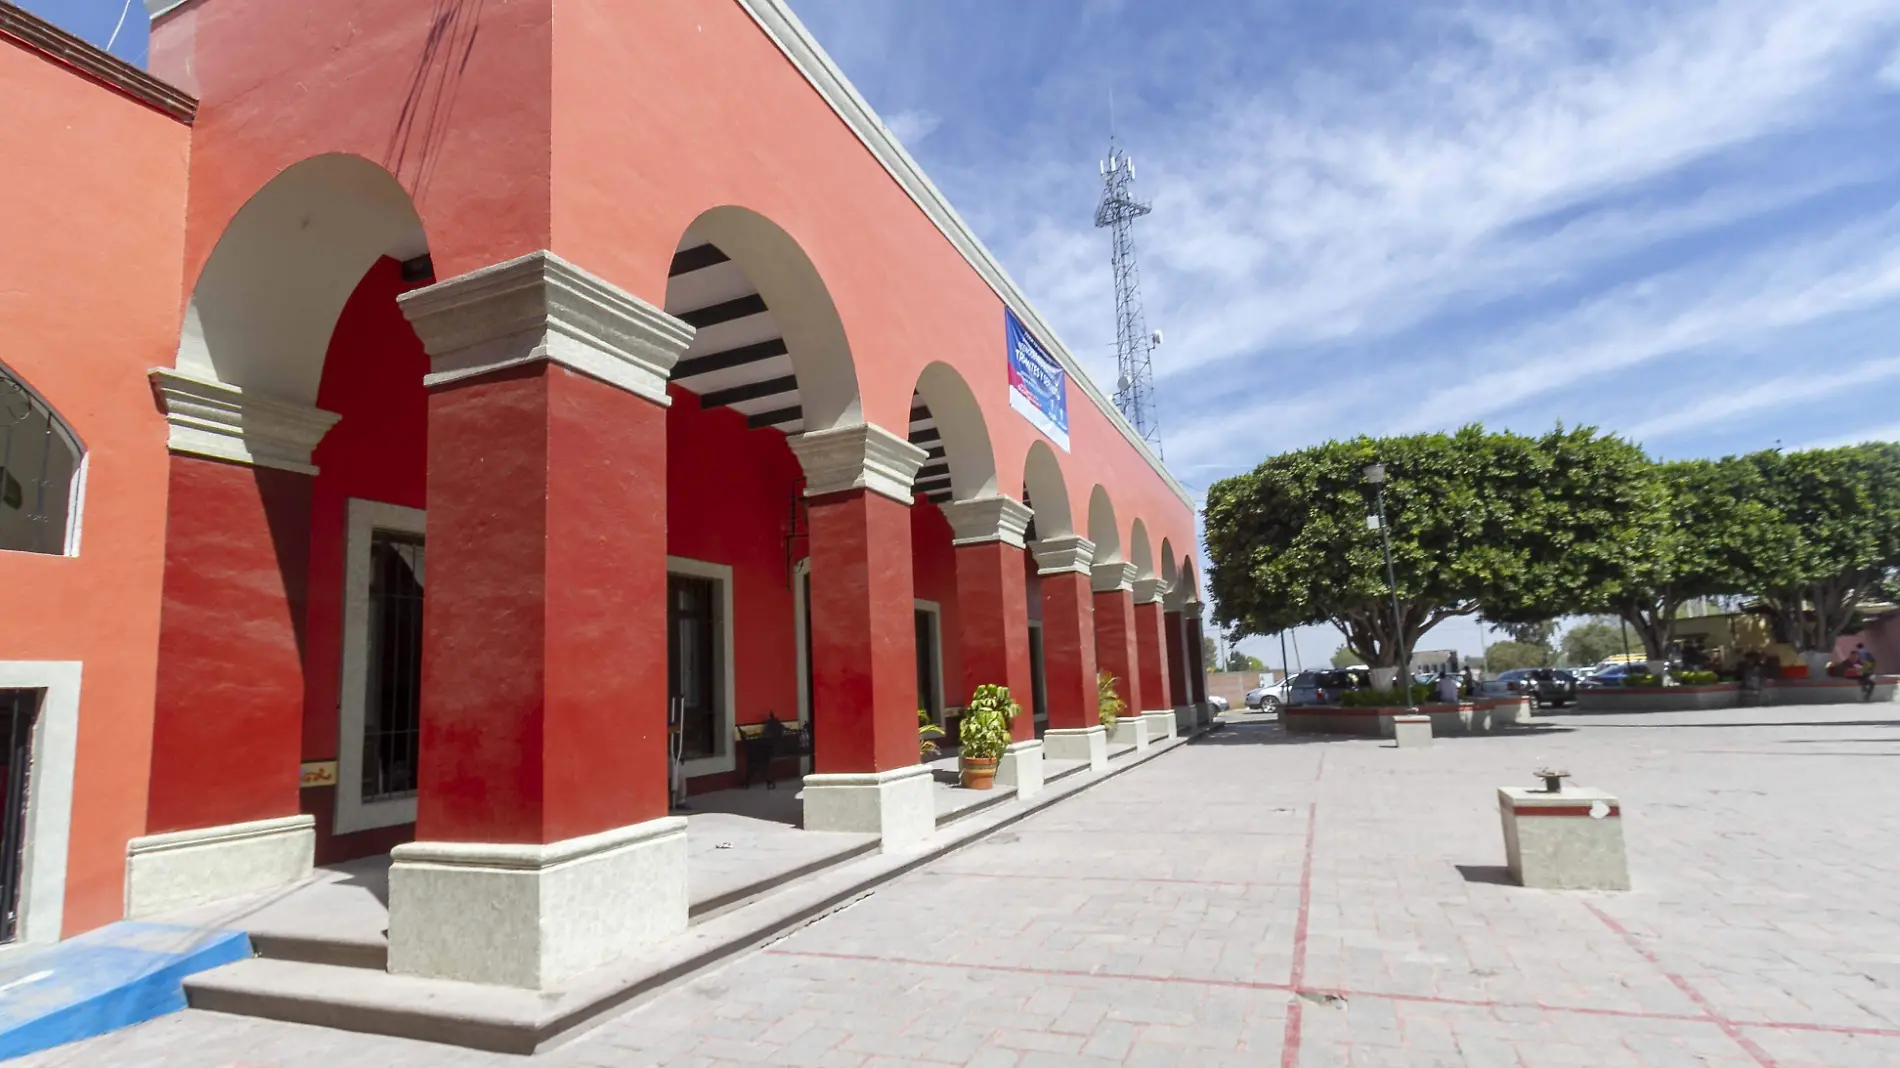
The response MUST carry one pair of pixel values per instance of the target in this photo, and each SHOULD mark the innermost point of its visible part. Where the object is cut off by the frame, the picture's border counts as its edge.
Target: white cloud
(1729, 401)
(912, 126)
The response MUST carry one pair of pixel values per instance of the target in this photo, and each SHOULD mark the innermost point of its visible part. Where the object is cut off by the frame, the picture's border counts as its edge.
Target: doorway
(19, 709)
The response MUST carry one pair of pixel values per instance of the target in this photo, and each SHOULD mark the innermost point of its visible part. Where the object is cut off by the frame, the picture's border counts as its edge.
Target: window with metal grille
(692, 660)
(392, 715)
(18, 709)
(39, 461)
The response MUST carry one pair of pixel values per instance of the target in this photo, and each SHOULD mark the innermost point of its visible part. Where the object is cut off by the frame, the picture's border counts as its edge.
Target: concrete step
(511, 1020)
(342, 951)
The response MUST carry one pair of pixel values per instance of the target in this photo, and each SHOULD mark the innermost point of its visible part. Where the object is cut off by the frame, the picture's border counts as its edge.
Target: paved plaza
(1253, 899)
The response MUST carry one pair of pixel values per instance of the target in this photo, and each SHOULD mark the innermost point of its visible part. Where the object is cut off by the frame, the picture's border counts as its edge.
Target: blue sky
(1677, 220)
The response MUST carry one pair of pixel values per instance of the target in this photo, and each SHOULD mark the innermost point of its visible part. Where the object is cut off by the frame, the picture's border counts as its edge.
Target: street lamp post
(1375, 477)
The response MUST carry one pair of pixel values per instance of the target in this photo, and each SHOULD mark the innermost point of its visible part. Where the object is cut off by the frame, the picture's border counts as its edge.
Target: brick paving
(1258, 900)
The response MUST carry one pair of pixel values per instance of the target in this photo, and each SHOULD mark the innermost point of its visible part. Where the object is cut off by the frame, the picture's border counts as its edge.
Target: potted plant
(927, 731)
(983, 734)
(1108, 700)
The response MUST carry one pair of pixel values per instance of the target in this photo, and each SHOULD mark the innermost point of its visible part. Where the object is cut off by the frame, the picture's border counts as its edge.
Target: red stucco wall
(92, 242)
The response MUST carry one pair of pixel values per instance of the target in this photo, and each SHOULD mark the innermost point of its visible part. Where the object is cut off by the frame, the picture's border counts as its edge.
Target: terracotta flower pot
(979, 773)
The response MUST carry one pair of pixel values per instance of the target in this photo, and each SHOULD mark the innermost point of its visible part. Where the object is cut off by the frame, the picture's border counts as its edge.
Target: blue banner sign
(1038, 386)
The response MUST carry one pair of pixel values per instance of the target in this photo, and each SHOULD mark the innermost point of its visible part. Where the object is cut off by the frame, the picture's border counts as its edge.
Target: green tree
(1522, 526)
(1506, 656)
(1346, 656)
(1538, 633)
(1570, 508)
(1835, 537)
(1210, 653)
(1711, 533)
(1591, 642)
(1239, 661)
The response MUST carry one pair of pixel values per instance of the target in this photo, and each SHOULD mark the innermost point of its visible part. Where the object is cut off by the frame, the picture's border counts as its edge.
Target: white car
(1269, 698)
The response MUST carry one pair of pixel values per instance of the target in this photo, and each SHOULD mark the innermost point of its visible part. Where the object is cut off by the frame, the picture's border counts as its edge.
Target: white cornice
(1113, 576)
(1059, 556)
(1150, 591)
(987, 519)
(783, 27)
(224, 422)
(541, 307)
(864, 456)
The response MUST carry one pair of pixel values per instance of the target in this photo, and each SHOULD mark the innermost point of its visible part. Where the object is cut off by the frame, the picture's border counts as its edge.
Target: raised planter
(1828, 691)
(1659, 698)
(1469, 717)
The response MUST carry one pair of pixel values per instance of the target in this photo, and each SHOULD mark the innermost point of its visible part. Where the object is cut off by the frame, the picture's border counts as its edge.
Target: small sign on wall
(317, 773)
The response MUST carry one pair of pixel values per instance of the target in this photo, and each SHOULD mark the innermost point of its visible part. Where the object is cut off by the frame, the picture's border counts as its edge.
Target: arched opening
(1140, 553)
(768, 362)
(299, 433)
(1045, 490)
(1104, 531)
(40, 469)
(266, 304)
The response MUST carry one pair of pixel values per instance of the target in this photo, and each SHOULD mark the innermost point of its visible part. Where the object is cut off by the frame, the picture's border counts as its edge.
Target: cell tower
(1134, 345)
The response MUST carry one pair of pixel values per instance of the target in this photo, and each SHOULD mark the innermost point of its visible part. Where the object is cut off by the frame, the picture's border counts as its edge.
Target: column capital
(986, 519)
(865, 456)
(541, 307)
(1061, 555)
(210, 418)
(1113, 576)
(1150, 591)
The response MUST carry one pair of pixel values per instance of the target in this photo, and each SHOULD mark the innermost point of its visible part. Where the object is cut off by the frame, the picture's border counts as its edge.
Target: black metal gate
(19, 708)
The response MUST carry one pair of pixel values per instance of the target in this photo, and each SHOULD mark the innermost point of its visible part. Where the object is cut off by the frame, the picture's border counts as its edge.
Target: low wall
(1826, 691)
(1472, 717)
(1659, 698)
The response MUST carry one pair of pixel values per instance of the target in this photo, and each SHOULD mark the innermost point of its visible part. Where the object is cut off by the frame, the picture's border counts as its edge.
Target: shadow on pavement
(1495, 874)
(1798, 723)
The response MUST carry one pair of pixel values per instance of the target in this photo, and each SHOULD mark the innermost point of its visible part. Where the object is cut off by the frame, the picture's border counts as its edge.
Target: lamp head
(1375, 474)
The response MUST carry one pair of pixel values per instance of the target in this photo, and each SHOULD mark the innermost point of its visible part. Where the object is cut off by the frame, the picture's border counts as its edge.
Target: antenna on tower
(1134, 345)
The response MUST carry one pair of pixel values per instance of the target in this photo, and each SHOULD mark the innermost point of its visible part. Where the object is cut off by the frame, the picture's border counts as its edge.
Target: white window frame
(801, 640)
(936, 653)
(49, 798)
(353, 814)
(725, 718)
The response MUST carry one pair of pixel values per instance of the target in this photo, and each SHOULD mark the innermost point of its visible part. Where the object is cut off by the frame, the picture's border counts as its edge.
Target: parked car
(1616, 675)
(1324, 687)
(1269, 698)
(1546, 687)
(1219, 703)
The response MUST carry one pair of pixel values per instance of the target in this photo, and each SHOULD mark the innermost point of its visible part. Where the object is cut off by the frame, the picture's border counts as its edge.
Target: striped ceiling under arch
(738, 358)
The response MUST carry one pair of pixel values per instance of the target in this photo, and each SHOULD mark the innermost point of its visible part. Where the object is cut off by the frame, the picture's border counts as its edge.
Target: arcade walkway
(1249, 893)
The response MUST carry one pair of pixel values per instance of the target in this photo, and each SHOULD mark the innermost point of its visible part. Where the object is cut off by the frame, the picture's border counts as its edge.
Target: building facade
(437, 426)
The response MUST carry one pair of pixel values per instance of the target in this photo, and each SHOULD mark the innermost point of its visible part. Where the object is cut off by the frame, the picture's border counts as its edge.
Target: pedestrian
(1471, 682)
(1447, 688)
(1864, 662)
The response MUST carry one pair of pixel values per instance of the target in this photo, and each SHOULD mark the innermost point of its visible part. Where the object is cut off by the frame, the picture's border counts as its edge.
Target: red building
(411, 403)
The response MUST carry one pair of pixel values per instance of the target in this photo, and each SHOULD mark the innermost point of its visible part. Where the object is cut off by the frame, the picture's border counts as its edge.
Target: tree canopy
(1520, 526)
(1505, 656)
(1834, 536)
(1591, 642)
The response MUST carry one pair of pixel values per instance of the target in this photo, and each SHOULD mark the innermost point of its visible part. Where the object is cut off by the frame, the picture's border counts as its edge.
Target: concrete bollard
(1565, 839)
(1412, 732)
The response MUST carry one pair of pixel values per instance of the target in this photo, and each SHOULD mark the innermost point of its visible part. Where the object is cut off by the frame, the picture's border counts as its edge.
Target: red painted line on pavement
(1349, 995)
(1727, 1025)
(1290, 1040)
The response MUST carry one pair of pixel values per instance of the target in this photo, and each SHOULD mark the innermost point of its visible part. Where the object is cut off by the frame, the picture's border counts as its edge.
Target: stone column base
(534, 915)
(1571, 840)
(1412, 731)
(1186, 718)
(899, 806)
(1021, 767)
(1160, 724)
(1077, 743)
(180, 869)
(1130, 730)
